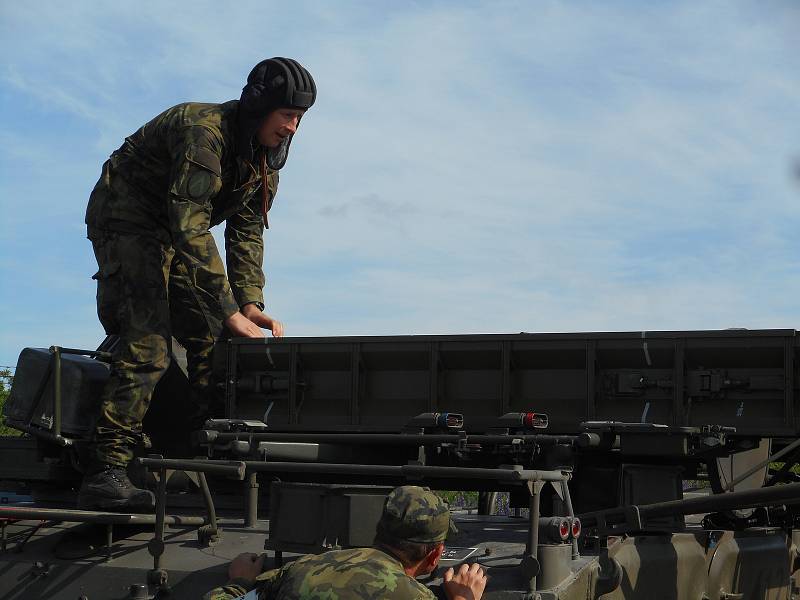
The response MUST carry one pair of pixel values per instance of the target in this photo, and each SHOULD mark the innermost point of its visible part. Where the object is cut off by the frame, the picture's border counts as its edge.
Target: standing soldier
(160, 274)
(409, 542)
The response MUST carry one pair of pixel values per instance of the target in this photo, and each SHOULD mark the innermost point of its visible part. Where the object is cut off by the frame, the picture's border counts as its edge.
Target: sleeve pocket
(198, 178)
(204, 157)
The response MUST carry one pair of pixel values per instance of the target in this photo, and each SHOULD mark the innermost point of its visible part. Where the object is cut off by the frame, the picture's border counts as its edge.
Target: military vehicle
(634, 465)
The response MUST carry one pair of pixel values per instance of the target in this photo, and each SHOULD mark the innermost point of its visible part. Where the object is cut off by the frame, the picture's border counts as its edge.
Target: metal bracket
(535, 487)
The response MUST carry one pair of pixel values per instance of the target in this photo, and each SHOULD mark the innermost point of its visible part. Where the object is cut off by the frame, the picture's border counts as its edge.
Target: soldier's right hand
(246, 566)
(241, 326)
(467, 584)
(260, 318)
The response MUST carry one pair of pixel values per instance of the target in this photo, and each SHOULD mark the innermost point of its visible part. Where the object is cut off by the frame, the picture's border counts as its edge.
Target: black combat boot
(108, 488)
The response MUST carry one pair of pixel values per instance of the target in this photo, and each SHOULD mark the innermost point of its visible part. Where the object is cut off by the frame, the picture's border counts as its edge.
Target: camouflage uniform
(160, 274)
(363, 573)
(411, 513)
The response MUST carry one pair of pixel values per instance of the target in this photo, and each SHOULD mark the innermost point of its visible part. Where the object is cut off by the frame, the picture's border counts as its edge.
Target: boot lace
(120, 477)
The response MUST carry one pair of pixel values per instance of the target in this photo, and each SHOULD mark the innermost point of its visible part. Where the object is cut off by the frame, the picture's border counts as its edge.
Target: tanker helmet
(273, 83)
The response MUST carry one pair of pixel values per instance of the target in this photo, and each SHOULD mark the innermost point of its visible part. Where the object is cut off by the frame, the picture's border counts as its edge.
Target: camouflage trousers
(145, 296)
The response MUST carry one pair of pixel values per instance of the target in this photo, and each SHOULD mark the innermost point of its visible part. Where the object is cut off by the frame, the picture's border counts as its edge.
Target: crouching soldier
(408, 543)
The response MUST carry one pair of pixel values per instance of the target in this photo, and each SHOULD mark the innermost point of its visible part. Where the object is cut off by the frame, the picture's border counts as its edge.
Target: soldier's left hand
(254, 314)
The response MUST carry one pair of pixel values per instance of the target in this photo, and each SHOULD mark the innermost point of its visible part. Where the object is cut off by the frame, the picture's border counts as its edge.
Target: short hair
(409, 553)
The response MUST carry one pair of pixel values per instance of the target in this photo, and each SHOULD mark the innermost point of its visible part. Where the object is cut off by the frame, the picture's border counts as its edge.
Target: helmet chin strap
(265, 203)
(276, 157)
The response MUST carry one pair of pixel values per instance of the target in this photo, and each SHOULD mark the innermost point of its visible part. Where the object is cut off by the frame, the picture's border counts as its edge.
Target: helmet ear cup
(250, 101)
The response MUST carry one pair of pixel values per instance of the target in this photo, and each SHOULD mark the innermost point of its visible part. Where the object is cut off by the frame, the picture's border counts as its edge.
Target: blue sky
(468, 167)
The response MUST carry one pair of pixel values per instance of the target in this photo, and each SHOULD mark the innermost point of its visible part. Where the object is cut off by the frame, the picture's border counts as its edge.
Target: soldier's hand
(254, 314)
(240, 326)
(246, 566)
(467, 584)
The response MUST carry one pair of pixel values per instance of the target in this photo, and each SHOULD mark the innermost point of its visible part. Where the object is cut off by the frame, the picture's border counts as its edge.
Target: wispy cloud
(503, 166)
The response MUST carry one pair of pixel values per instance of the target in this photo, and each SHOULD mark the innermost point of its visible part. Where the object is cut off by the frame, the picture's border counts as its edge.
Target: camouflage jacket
(357, 574)
(176, 177)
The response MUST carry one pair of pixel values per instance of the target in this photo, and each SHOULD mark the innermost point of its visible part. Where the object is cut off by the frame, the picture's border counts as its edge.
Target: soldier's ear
(432, 558)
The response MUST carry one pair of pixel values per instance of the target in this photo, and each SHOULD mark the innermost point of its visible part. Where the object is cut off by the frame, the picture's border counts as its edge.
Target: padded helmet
(273, 83)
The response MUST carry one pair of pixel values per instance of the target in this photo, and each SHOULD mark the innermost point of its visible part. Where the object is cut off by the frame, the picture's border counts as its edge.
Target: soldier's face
(278, 125)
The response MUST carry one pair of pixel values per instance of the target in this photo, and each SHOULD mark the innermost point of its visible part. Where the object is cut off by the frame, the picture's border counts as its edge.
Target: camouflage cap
(415, 514)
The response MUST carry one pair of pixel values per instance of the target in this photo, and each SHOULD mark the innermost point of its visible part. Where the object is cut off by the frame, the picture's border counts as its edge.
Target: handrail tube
(88, 516)
(44, 434)
(233, 469)
(775, 457)
(409, 471)
(207, 499)
(98, 353)
(712, 503)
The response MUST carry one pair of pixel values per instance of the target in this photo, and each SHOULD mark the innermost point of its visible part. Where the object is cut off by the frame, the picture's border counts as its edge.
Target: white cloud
(481, 167)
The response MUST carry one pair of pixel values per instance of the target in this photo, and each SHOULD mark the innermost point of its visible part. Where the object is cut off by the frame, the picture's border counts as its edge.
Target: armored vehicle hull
(635, 464)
